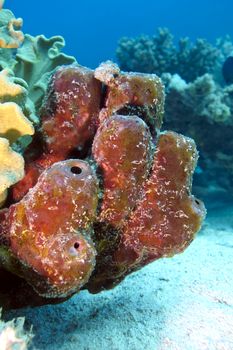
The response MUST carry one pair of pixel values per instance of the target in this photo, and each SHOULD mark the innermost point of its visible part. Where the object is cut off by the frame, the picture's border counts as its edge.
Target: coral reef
(198, 101)
(204, 110)
(22, 87)
(159, 54)
(13, 125)
(104, 192)
(10, 35)
(33, 61)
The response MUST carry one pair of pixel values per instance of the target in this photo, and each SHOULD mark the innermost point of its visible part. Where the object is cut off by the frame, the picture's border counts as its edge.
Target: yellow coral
(7, 87)
(11, 168)
(13, 123)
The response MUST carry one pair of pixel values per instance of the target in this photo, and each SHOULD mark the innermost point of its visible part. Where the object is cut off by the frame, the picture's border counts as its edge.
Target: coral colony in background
(198, 79)
(91, 190)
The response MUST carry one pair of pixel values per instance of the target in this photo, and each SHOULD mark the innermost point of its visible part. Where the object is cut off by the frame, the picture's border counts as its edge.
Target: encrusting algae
(104, 191)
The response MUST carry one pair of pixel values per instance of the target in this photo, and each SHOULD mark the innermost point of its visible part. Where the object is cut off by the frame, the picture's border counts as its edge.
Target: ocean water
(184, 302)
(92, 28)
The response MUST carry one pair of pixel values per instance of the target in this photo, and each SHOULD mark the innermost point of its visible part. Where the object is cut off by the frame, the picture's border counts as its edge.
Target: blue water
(93, 28)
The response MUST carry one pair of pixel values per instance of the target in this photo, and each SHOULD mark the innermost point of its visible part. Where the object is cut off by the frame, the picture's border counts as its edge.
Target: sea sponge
(53, 249)
(165, 216)
(105, 192)
(122, 149)
(131, 94)
(83, 223)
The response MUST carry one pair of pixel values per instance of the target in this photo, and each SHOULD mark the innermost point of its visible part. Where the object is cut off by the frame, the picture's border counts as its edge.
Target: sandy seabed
(181, 303)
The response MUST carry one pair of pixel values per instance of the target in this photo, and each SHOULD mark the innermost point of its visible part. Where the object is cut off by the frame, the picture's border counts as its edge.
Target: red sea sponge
(49, 231)
(68, 230)
(69, 121)
(163, 220)
(122, 149)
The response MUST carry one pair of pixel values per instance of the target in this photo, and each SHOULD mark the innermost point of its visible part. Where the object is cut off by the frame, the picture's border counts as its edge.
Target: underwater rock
(89, 222)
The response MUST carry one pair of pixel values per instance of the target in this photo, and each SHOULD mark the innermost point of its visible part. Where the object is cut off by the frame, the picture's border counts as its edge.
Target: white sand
(182, 303)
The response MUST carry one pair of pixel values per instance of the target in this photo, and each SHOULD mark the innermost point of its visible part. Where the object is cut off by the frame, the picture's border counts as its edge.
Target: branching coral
(198, 102)
(159, 54)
